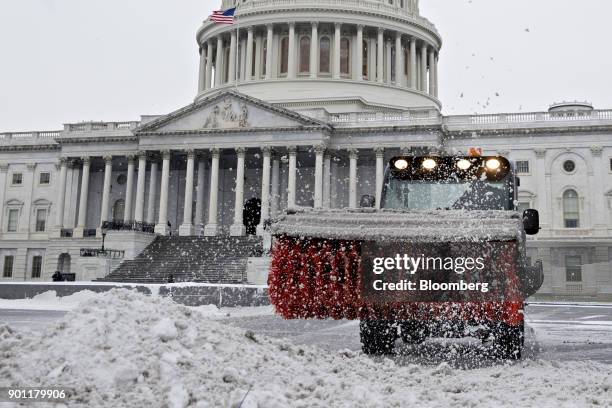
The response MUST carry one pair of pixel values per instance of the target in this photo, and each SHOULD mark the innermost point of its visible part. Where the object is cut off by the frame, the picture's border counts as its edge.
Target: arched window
(364, 63)
(284, 55)
(305, 54)
(324, 55)
(571, 209)
(118, 210)
(345, 56)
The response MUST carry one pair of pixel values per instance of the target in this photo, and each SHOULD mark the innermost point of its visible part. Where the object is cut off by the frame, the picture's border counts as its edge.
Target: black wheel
(509, 341)
(414, 332)
(377, 337)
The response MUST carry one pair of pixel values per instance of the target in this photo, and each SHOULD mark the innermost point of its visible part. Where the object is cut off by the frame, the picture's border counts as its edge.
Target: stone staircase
(190, 259)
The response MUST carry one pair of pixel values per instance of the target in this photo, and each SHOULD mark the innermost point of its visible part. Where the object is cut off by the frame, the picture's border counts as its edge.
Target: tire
(509, 341)
(377, 337)
(414, 332)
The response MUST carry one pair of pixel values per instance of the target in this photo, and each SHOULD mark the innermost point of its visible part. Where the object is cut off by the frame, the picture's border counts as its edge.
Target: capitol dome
(337, 55)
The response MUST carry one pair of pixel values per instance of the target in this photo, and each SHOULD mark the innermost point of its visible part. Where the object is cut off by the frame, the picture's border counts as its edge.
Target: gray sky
(74, 60)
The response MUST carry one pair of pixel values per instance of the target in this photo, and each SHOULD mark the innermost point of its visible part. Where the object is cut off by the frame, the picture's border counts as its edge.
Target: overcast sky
(72, 60)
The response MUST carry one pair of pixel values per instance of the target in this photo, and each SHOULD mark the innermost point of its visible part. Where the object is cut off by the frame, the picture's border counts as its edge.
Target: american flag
(223, 16)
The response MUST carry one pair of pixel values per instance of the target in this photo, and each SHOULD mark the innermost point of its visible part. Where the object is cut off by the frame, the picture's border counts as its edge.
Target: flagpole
(237, 47)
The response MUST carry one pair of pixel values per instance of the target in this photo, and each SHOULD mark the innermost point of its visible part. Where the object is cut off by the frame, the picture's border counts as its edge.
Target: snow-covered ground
(122, 348)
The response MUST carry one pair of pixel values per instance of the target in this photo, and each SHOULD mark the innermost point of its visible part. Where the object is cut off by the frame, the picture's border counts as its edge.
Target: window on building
(324, 55)
(119, 210)
(571, 209)
(364, 62)
(13, 220)
(264, 57)
(284, 55)
(41, 220)
(17, 179)
(305, 55)
(345, 56)
(44, 178)
(610, 164)
(7, 270)
(522, 167)
(573, 268)
(36, 266)
(569, 166)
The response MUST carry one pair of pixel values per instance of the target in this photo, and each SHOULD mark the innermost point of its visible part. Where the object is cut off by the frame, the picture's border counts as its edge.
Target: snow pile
(429, 226)
(126, 349)
(48, 301)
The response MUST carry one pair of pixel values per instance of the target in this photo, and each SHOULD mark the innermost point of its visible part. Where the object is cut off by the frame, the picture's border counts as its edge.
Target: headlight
(429, 164)
(493, 164)
(464, 164)
(401, 164)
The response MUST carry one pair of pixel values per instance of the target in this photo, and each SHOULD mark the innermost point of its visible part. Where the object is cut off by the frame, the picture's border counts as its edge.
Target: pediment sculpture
(226, 117)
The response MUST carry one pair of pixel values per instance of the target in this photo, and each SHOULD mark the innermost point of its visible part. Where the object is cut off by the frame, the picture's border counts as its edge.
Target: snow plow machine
(443, 256)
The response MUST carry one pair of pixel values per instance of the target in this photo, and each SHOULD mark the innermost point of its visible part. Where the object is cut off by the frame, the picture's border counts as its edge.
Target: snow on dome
(123, 349)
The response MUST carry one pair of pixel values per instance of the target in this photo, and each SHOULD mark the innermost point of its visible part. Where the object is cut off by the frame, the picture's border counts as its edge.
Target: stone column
(435, 70)
(597, 193)
(291, 59)
(542, 188)
(388, 61)
(108, 174)
(371, 59)
(353, 154)
(432, 75)
(275, 194)
(4, 181)
(249, 56)
(152, 193)
(209, 58)
(413, 64)
(199, 212)
(291, 187)
(399, 74)
(358, 74)
(314, 50)
(129, 192)
(82, 219)
(219, 62)
(61, 199)
(424, 67)
(269, 53)
(186, 228)
(202, 72)
(265, 190)
(140, 187)
(242, 65)
(380, 173)
(326, 180)
(258, 55)
(162, 223)
(212, 228)
(238, 229)
(231, 72)
(379, 58)
(336, 53)
(318, 186)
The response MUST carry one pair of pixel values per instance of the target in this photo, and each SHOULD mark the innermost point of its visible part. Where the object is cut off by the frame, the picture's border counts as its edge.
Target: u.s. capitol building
(301, 107)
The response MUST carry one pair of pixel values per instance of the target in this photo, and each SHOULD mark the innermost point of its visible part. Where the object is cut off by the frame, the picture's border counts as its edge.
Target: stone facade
(299, 134)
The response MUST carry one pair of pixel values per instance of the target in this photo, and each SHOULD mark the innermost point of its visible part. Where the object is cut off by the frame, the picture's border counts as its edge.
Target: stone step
(193, 259)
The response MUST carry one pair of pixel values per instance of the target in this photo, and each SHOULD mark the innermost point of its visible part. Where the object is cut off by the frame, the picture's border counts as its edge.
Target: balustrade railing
(102, 253)
(129, 226)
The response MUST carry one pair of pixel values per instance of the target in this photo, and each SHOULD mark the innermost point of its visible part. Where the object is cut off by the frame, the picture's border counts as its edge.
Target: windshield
(447, 195)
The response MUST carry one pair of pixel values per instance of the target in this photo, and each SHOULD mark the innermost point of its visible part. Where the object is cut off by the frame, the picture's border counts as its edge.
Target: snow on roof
(436, 226)
(124, 349)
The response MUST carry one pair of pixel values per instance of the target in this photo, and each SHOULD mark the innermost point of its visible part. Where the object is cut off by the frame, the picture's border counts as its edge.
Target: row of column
(421, 70)
(269, 184)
